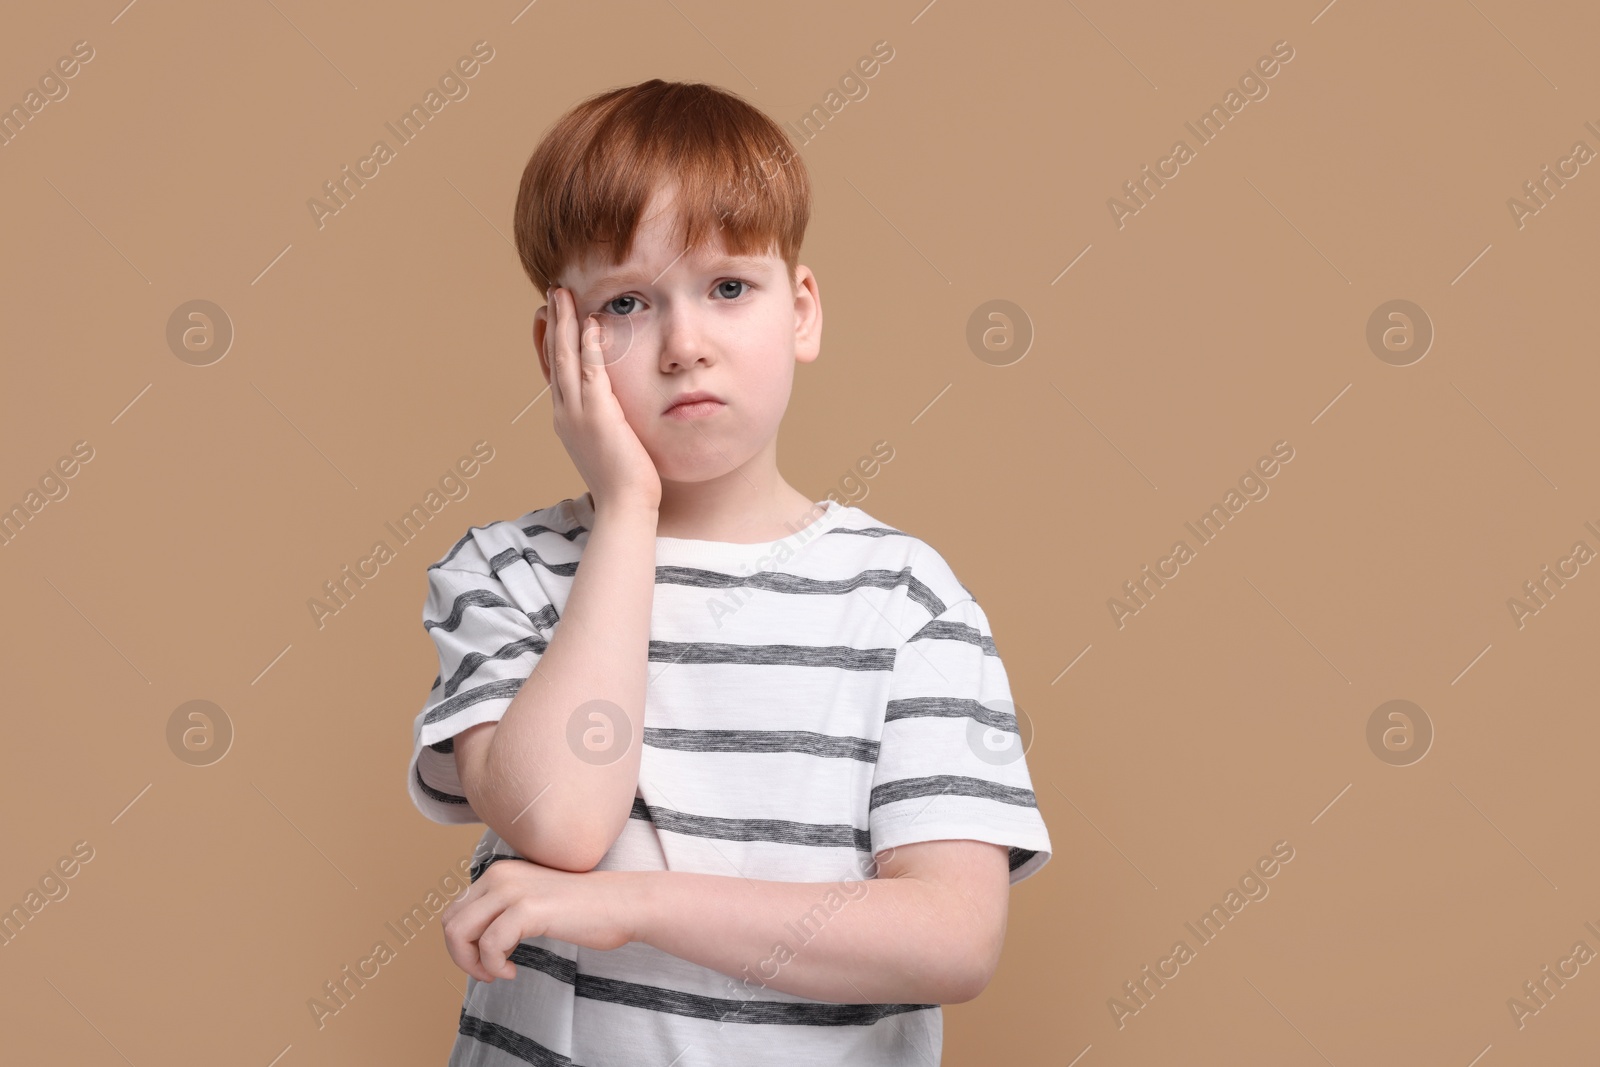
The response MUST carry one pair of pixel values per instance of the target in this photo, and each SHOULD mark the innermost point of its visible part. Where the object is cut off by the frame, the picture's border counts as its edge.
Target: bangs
(734, 173)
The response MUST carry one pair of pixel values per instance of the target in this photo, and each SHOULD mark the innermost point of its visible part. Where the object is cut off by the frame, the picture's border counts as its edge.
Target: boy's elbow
(972, 981)
(561, 851)
(981, 961)
(541, 830)
(565, 853)
(552, 841)
(565, 860)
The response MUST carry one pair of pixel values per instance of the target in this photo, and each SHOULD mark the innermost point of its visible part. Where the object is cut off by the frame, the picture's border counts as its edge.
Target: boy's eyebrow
(628, 274)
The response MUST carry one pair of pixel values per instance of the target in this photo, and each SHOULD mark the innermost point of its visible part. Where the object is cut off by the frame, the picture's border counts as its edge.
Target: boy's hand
(588, 418)
(516, 899)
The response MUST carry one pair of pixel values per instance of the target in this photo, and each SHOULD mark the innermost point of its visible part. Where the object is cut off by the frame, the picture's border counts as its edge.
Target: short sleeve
(489, 641)
(950, 760)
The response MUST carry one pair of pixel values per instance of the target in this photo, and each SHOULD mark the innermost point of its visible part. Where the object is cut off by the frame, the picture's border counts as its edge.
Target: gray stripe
(732, 1009)
(538, 528)
(954, 784)
(775, 831)
(772, 581)
(695, 1005)
(437, 794)
(784, 582)
(950, 708)
(530, 556)
(842, 656)
(940, 630)
(529, 531)
(473, 660)
(825, 746)
(509, 1041)
(541, 620)
(466, 698)
(805, 741)
(557, 966)
(871, 531)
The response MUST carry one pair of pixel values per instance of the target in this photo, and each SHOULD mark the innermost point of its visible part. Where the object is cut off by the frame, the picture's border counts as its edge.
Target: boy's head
(635, 202)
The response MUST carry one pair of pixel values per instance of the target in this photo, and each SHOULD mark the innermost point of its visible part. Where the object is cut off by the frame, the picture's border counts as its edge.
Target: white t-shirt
(811, 702)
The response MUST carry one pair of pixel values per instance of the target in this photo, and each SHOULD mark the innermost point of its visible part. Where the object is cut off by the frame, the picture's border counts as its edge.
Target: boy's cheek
(641, 403)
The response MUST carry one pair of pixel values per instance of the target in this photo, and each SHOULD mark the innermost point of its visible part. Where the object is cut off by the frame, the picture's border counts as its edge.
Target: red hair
(734, 170)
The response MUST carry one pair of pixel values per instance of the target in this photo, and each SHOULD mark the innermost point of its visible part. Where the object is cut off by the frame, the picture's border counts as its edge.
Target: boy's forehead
(648, 265)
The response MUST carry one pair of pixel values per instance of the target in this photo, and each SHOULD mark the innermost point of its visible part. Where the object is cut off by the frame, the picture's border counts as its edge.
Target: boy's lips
(694, 409)
(693, 404)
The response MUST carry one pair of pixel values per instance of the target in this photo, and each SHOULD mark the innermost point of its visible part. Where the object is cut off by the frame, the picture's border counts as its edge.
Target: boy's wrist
(628, 507)
(633, 897)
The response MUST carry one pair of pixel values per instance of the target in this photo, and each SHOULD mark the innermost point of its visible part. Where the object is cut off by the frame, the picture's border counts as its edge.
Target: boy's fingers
(465, 955)
(565, 343)
(548, 346)
(591, 351)
(463, 928)
(588, 339)
(564, 376)
(497, 942)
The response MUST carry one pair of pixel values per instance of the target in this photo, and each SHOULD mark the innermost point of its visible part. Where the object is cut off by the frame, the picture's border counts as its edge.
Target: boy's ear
(541, 323)
(807, 315)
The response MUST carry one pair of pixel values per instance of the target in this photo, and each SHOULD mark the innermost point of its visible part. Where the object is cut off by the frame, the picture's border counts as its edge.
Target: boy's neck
(733, 510)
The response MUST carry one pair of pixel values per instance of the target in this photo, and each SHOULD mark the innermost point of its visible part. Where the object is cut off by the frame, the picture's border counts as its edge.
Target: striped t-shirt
(811, 701)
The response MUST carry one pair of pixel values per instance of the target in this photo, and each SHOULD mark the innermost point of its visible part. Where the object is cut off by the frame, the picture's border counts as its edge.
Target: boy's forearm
(599, 652)
(874, 941)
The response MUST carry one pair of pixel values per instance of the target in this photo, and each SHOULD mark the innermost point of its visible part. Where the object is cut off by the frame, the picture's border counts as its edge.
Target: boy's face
(674, 321)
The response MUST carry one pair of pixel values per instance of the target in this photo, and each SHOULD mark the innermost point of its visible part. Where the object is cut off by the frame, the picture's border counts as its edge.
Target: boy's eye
(610, 306)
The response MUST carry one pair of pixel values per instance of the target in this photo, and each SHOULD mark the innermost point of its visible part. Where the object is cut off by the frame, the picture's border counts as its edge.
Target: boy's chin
(693, 473)
(706, 466)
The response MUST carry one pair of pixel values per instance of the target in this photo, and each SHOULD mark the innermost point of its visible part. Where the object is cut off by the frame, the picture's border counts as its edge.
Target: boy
(753, 785)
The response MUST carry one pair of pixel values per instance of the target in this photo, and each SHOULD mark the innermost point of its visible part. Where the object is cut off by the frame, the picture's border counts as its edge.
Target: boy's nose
(683, 339)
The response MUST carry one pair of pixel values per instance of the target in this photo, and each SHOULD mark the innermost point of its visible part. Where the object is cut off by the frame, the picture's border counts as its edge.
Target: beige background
(1169, 754)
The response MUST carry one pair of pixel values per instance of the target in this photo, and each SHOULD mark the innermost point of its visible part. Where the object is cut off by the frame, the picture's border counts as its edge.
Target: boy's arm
(522, 775)
(929, 932)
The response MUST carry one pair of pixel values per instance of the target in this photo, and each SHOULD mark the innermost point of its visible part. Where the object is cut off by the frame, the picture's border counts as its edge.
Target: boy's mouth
(697, 409)
(693, 405)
